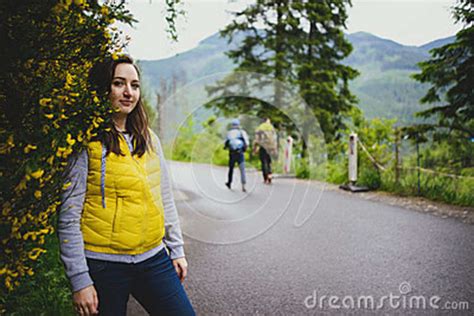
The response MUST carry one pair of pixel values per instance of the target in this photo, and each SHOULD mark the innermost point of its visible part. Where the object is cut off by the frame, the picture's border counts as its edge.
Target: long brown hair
(137, 121)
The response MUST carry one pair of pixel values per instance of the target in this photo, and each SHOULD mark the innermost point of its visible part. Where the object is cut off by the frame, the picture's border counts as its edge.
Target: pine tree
(263, 51)
(450, 72)
(322, 77)
(301, 44)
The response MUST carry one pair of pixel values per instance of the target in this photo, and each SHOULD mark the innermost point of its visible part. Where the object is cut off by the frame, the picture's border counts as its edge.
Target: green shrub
(46, 292)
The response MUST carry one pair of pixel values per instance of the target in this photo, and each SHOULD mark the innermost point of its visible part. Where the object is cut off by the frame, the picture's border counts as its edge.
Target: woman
(118, 218)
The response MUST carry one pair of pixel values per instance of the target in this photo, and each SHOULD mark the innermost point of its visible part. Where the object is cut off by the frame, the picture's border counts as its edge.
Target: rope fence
(379, 166)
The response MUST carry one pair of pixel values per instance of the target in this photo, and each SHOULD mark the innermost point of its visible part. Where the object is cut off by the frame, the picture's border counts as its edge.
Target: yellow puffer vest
(123, 210)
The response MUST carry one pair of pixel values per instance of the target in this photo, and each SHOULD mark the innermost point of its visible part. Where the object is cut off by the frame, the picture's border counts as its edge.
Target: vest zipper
(141, 171)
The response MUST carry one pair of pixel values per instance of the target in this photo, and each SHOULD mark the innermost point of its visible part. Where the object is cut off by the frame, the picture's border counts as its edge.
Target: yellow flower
(63, 152)
(34, 254)
(95, 123)
(6, 208)
(5, 148)
(38, 194)
(8, 283)
(89, 133)
(49, 116)
(104, 10)
(69, 79)
(60, 151)
(37, 174)
(29, 148)
(96, 99)
(50, 160)
(71, 141)
(46, 129)
(45, 101)
(10, 141)
(21, 186)
(67, 185)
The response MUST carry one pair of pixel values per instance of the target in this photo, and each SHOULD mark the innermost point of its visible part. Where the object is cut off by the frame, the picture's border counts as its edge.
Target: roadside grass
(46, 292)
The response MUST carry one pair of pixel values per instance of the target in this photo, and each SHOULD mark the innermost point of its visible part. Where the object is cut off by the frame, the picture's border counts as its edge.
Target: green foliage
(322, 78)
(377, 135)
(337, 172)
(433, 186)
(449, 72)
(302, 168)
(205, 146)
(369, 177)
(285, 53)
(451, 156)
(444, 159)
(45, 293)
(173, 11)
(48, 111)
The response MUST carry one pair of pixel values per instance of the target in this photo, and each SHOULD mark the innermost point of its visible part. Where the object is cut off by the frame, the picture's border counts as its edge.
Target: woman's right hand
(86, 301)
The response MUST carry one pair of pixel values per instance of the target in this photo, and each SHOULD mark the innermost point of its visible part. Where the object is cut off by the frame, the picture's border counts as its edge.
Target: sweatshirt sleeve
(173, 238)
(69, 230)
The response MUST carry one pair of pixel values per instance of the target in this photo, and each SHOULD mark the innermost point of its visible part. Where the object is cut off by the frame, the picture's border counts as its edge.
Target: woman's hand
(181, 266)
(86, 301)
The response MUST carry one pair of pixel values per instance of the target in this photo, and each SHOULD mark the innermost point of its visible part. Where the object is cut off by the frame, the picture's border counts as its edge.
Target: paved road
(278, 249)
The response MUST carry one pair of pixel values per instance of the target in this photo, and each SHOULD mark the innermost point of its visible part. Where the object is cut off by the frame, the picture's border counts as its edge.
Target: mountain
(384, 87)
(438, 43)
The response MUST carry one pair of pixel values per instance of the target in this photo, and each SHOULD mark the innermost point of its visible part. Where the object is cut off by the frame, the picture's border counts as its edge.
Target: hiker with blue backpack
(236, 142)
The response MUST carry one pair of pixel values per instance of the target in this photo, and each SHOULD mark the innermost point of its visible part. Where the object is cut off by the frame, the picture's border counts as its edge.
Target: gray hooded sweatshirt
(73, 254)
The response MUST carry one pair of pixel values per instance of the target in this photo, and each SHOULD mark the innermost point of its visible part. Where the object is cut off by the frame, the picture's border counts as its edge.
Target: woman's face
(125, 89)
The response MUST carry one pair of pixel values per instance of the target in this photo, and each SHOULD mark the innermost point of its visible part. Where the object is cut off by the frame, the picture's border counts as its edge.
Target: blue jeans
(154, 283)
(236, 157)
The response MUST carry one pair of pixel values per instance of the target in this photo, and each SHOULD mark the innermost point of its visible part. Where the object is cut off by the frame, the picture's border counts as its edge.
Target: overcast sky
(406, 22)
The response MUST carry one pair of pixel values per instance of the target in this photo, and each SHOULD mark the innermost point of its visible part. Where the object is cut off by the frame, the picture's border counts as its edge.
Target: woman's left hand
(181, 266)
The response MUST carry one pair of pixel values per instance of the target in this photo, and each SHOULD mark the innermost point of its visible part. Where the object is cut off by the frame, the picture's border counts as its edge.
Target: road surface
(296, 248)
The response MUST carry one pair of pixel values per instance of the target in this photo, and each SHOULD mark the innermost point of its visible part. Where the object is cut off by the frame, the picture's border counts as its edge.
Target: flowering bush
(48, 111)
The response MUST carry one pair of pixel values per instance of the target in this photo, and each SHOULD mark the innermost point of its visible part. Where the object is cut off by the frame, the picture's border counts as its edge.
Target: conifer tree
(450, 72)
(299, 43)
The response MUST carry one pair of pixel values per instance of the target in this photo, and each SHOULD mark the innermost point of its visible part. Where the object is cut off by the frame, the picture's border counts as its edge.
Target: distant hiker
(265, 140)
(236, 142)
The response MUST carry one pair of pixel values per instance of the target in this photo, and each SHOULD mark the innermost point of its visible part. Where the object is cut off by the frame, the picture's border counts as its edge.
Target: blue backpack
(236, 141)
